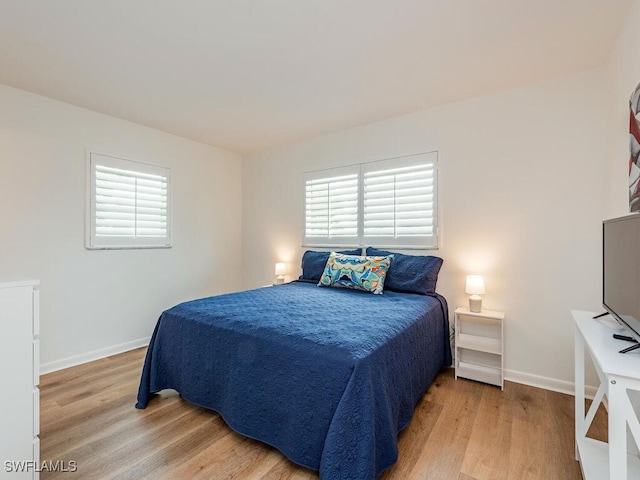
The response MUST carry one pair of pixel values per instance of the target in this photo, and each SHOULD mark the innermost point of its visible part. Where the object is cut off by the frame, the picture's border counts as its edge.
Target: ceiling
(247, 75)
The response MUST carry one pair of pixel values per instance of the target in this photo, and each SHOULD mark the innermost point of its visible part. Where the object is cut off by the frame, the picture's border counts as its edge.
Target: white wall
(623, 77)
(94, 302)
(521, 198)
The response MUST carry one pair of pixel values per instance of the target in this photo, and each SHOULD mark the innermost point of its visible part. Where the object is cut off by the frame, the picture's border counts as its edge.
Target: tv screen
(621, 271)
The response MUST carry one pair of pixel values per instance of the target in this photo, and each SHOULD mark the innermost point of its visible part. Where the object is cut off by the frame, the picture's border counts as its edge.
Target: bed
(328, 376)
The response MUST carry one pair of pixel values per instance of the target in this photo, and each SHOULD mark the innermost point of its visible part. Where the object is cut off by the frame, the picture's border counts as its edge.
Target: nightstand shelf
(480, 373)
(479, 346)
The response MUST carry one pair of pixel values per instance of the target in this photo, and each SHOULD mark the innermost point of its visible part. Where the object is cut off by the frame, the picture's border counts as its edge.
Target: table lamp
(475, 287)
(281, 270)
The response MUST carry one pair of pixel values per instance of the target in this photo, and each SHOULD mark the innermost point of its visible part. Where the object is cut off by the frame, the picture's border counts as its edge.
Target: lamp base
(475, 303)
(279, 279)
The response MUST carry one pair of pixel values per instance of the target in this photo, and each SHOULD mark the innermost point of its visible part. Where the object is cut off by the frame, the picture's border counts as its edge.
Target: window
(128, 204)
(331, 205)
(390, 203)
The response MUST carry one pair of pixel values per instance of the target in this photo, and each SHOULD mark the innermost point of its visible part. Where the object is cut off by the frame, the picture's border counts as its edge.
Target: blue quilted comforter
(328, 376)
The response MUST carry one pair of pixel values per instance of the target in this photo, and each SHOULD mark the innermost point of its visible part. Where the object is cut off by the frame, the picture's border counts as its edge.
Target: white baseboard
(93, 355)
(538, 381)
(547, 383)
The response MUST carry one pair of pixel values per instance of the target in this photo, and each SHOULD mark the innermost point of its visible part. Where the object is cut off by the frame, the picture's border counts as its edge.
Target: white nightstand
(479, 345)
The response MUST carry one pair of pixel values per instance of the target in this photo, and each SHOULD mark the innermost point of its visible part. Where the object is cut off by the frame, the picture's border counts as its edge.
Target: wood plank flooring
(461, 430)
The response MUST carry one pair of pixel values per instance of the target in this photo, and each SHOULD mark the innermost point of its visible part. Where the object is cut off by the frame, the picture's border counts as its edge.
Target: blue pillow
(313, 263)
(410, 273)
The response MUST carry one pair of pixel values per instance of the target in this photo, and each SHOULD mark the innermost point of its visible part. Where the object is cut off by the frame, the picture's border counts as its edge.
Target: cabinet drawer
(36, 411)
(36, 361)
(36, 312)
(36, 456)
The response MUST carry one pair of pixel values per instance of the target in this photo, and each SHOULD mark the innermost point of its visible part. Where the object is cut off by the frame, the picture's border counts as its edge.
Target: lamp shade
(475, 285)
(281, 269)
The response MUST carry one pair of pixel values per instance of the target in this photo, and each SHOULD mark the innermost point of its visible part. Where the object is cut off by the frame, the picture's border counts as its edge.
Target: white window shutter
(389, 203)
(129, 204)
(331, 207)
(399, 202)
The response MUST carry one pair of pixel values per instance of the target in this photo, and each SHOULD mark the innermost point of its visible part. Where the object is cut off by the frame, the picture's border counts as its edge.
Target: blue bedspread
(328, 376)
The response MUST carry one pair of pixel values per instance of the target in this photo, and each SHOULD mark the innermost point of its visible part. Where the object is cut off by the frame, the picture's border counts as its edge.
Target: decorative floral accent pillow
(353, 271)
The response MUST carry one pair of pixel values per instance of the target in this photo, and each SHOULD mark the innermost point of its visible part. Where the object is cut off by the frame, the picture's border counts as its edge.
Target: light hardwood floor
(461, 430)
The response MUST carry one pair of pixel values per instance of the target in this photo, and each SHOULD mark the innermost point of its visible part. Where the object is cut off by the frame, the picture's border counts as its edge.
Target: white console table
(618, 374)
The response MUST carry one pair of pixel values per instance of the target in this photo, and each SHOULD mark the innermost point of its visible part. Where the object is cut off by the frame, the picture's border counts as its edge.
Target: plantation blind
(399, 201)
(388, 203)
(331, 207)
(128, 205)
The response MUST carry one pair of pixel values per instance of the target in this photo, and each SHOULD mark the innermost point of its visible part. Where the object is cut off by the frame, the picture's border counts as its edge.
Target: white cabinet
(479, 345)
(619, 376)
(20, 374)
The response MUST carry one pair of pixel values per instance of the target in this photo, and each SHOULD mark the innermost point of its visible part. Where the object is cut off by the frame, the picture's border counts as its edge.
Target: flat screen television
(621, 271)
